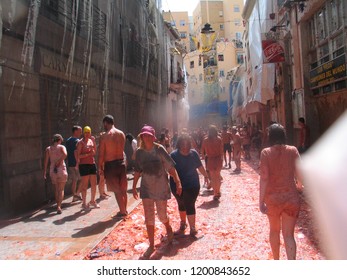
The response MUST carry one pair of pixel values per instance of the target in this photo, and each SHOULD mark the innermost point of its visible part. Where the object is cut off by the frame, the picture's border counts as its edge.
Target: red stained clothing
(277, 165)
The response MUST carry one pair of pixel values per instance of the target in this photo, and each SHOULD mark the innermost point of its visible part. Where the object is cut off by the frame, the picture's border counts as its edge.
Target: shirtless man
(237, 148)
(212, 147)
(112, 163)
(226, 138)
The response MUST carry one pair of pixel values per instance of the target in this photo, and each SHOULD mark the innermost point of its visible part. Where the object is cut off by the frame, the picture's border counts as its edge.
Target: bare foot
(148, 252)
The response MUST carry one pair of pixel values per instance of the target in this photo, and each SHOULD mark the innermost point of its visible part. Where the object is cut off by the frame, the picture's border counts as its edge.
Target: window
(327, 89)
(238, 35)
(340, 85)
(237, 22)
(240, 58)
(321, 27)
(221, 57)
(182, 22)
(221, 26)
(183, 35)
(312, 39)
(192, 64)
(220, 13)
(324, 53)
(221, 73)
(236, 8)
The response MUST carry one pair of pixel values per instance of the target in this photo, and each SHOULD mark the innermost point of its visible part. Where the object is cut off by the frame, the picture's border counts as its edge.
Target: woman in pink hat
(153, 163)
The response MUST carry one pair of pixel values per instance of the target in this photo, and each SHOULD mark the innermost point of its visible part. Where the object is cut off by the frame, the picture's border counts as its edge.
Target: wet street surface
(45, 235)
(231, 228)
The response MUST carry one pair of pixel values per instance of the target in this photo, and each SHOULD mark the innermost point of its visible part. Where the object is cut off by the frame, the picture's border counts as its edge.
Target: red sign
(273, 51)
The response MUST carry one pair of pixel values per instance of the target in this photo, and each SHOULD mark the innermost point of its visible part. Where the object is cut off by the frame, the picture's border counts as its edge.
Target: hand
(101, 171)
(263, 208)
(178, 187)
(44, 176)
(206, 180)
(135, 194)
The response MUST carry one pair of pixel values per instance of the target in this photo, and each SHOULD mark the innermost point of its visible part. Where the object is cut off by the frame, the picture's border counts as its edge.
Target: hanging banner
(273, 51)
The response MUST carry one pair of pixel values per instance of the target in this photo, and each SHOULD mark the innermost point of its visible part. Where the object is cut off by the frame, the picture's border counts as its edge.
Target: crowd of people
(170, 165)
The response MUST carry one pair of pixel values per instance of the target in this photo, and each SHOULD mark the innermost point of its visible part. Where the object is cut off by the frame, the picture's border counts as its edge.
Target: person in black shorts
(187, 161)
(86, 150)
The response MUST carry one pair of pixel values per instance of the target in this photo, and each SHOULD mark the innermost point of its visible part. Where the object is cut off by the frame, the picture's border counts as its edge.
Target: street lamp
(274, 28)
(207, 29)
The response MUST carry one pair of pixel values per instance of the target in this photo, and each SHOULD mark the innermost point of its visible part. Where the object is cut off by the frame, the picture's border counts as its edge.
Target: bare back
(111, 145)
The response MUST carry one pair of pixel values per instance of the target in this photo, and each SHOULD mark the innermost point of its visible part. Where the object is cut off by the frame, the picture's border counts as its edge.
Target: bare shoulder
(119, 132)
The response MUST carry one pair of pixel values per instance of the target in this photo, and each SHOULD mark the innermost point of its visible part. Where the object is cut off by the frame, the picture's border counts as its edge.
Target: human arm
(263, 182)
(94, 145)
(62, 158)
(137, 176)
(173, 173)
(204, 173)
(101, 157)
(45, 164)
(297, 174)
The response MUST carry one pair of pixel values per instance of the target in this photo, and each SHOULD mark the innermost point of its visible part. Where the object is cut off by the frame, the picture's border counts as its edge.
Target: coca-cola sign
(273, 51)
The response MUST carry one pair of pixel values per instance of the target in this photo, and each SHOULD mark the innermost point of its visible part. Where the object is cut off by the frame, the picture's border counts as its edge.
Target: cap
(148, 130)
(87, 129)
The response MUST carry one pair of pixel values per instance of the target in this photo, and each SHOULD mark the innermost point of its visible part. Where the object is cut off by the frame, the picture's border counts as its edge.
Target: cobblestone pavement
(232, 228)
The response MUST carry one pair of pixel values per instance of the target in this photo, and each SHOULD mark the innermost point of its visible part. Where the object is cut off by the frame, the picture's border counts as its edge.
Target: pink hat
(148, 130)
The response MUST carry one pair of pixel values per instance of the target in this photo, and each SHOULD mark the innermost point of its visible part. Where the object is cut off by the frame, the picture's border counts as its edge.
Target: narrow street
(232, 228)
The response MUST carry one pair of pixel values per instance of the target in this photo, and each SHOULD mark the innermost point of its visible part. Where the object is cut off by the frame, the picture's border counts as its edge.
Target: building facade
(70, 62)
(180, 20)
(310, 81)
(211, 101)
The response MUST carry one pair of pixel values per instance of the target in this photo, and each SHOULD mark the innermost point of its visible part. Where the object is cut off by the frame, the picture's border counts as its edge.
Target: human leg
(216, 183)
(181, 210)
(92, 180)
(148, 208)
(274, 236)
(229, 154)
(123, 188)
(288, 226)
(163, 217)
(115, 176)
(189, 200)
(84, 186)
(60, 195)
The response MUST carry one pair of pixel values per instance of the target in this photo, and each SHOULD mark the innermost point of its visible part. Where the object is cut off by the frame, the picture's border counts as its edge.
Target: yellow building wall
(181, 20)
(232, 18)
(195, 78)
(212, 13)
